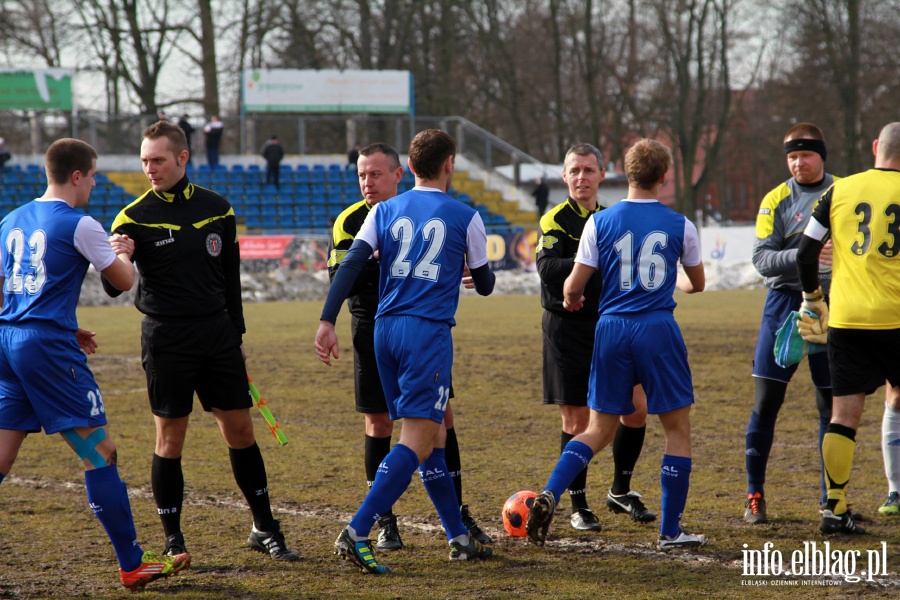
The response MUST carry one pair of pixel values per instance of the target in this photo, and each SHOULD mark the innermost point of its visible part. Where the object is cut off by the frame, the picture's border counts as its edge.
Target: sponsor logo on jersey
(168, 240)
(214, 244)
(798, 218)
(546, 241)
(765, 211)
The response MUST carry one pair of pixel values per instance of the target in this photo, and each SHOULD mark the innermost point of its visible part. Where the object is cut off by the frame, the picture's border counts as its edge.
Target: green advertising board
(38, 89)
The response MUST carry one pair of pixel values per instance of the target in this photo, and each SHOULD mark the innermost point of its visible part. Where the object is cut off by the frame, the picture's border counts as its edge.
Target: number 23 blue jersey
(424, 238)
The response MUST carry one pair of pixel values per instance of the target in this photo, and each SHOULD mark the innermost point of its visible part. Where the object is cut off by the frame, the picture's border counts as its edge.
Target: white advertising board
(327, 91)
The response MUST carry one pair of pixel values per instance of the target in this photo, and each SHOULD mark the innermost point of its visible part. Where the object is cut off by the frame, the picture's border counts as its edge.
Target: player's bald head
(889, 142)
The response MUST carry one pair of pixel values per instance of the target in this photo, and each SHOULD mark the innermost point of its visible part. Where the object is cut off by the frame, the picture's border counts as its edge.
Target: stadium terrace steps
(494, 201)
(133, 183)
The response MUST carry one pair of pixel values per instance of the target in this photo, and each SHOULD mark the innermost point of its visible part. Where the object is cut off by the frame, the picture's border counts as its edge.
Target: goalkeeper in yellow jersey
(861, 215)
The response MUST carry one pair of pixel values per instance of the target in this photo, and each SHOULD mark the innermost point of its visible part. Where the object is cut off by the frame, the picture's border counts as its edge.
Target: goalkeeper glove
(813, 323)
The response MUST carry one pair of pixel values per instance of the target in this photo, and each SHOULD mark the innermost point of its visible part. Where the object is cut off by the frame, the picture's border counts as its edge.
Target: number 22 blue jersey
(424, 238)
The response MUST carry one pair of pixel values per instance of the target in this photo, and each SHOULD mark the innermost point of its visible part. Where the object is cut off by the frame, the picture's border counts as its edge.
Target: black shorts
(862, 359)
(181, 357)
(568, 349)
(367, 383)
(369, 393)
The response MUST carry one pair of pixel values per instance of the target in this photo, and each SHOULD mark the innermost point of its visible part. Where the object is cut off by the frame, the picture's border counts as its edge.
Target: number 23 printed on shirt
(15, 245)
(434, 231)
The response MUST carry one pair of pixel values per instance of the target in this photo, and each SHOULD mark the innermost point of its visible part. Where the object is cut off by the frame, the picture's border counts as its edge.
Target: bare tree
(37, 27)
(141, 38)
(695, 95)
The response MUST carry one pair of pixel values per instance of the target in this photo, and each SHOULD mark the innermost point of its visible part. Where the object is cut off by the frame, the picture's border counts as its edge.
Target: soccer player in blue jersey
(380, 173)
(636, 246)
(45, 248)
(425, 240)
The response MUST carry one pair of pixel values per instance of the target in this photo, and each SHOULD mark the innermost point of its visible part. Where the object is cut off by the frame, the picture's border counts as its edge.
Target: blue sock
(760, 434)
(1, 477)
(674, 479)
(391, 481)
(436, 478)
(439, 485)
(574, 459)
(108, 498)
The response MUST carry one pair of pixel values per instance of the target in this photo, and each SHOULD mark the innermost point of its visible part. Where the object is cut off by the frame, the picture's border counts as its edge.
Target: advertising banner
(310, 252)
(327, 91)
(39, 89)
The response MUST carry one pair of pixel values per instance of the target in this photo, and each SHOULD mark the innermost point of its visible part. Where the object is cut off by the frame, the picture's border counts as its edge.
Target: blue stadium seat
(238, 168)
(253, 169)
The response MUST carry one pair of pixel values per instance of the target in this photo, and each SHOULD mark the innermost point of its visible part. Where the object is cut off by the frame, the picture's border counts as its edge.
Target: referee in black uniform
(380, 173)
(568, 340)
(186, 251)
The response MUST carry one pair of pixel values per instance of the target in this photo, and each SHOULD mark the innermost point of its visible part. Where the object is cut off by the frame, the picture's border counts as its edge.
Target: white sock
(890, 440)
(462, 540)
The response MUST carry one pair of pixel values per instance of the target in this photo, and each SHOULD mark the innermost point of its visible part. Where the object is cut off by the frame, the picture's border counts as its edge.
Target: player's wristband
(815, 296)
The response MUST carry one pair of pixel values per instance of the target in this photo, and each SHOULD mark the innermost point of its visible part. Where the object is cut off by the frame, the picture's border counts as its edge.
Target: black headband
(806, 144)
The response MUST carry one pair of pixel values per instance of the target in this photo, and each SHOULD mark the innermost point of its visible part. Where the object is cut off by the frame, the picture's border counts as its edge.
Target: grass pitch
(51, 546)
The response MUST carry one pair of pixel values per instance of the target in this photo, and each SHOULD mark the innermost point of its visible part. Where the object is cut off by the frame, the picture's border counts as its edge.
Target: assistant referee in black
(187, 255)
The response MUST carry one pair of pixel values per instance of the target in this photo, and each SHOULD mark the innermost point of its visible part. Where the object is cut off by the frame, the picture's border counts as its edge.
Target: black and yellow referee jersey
(560, 230)
(862, 213)
(363, 298)
(186, 252)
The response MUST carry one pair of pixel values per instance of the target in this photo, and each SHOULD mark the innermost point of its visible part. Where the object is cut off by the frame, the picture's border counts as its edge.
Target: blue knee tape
(86, 448)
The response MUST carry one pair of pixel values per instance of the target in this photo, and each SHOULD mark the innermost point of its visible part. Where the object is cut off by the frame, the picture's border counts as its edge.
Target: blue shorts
(414, 361)
(644, 348)
(45, 381)
(779, 304)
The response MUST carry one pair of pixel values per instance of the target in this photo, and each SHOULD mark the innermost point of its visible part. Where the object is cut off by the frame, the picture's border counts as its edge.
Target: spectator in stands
(353, 156)
(273, 153)
(212, 132)
(5, 156)
(188, 130)
(541, 194)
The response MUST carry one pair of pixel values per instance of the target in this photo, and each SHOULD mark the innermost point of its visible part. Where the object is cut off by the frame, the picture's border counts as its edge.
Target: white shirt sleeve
(367, 232)
(588, 253)
(91, 241)
(476, 243)
(691, 256)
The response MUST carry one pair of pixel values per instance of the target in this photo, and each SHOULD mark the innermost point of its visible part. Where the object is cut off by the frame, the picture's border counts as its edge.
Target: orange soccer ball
(515, 512)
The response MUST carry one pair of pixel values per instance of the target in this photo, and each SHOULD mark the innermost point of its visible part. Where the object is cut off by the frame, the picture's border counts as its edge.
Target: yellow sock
(837, 454)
